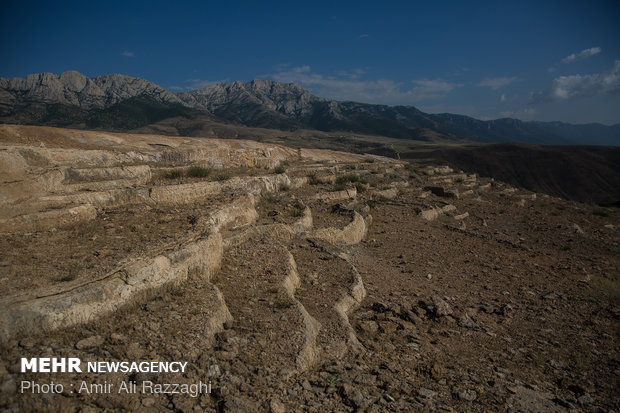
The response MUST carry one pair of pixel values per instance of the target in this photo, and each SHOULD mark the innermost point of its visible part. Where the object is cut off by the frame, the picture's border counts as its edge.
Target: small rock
(468, 321)
(577, 229)
(437, 371)
(306, 385)
(369, 327)
(119, 338)
(387, 326)
(226, 335)
(429, 276)
(89, 343)
(240, 404)
(558, 365)
(585, 400)
(276, 406)
(426, 393)
(9, 386)
(27, 343)
(353, 395)
(213, 370)
(506, 309)
(468, 394)
(440, 308)
(380, 307)
(148, 402)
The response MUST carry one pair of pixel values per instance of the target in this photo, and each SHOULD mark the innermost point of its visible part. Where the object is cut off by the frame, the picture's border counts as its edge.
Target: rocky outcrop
(75, 89)
(288, 99)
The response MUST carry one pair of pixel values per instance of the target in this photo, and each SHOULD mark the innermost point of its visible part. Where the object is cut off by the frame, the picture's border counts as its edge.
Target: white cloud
(127, 53)
(346, 85)
(573, 86)
(362, 36)
(496, 82)
(551, 69)
(523, 114)
(504, 98)
(584, 54)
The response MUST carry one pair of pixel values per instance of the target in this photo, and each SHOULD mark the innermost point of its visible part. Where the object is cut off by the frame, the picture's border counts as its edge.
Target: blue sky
(541, 60)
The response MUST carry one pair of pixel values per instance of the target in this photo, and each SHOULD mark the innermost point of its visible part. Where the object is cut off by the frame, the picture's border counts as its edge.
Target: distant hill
(588, 174)
(124, 103)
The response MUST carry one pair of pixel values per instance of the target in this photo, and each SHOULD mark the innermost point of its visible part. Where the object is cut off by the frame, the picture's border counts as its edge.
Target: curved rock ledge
(283, 231)
(309, 353)
(83, 303)
(349, 302)
(337, 195)
(239, 213)
(351, 234)
(43, 220)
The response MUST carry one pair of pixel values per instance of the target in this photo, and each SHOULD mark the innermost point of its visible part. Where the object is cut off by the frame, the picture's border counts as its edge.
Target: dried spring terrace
(300, 279)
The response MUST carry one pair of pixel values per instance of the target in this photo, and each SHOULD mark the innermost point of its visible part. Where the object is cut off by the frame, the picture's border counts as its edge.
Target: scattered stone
(426, 393)
(148, 402)
(439, 307)
(585, 400)
(558, 365)
(461, 216)
(119, 338)
(437, 371)
(506, 309)
(306, 385)
(353, 395)
(240, 404)
(468, 321)
(89, 343)
(276, 406)
(9, 386)
(387, 326)
(369, 327)
(380, 307)
(213, 370)
(577, 229)
(27, 343)
(468, 394)
(531, 401)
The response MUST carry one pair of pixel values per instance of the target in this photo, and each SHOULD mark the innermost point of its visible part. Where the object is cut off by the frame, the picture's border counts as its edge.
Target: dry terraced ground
(311, 282)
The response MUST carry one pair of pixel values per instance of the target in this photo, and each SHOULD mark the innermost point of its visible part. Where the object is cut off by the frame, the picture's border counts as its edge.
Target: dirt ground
(514, 307)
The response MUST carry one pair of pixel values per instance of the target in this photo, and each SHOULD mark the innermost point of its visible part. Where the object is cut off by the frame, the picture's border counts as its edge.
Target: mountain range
(123, 103)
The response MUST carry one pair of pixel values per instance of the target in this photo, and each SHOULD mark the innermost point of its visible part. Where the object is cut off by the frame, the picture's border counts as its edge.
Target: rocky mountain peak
(75, 89)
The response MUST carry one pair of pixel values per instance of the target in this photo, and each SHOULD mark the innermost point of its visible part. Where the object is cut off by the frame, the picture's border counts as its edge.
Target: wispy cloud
(127, 53)
(349, 85)
(523, 114)
(573, 86)
(364, 35)
(584, 54)
(497, 82)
